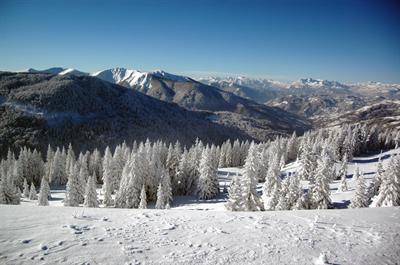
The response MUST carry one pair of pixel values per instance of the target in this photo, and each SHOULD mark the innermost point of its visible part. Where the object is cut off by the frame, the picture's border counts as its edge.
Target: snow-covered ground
(67, 235)
(202, 232)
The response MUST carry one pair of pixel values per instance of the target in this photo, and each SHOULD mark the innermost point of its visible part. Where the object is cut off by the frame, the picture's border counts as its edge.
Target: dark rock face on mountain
(37, 109)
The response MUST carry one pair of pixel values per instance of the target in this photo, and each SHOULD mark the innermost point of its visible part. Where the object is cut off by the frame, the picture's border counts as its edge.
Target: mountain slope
(37, 109)
(194, 95)
(259, 90)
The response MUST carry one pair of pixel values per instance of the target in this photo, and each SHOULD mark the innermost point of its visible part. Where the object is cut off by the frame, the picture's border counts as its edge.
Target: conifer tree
(26, 190)
(360, 198)
(107, 186)
(107, 177)
(235, 199)
(272, 178)
(320, 190)
(91, 193)
(143, 198)
(43, 199)
(283, 202)
(83, 177)
(343, 184)
(295, 191)
(389, 192)
(271, 201)
(72, 195)
(291, 148)
(356, 173)
(32, 192)
(378, 177)
(164, 191)
(208, 186)
(58, 172)
(343, 167)
(8, 191)
(251, 200)
(3, 199)
(307, 162)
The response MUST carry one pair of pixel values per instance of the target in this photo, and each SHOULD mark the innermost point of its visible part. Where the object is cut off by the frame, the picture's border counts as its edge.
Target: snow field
(69, 235)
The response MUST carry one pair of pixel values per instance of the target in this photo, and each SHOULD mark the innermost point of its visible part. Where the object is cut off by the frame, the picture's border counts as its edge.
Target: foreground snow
(203, 232)
(52, 235)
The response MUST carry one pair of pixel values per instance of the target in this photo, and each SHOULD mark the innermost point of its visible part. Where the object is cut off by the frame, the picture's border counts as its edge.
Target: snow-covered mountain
(244, 81)
(310, 83)
(232, 100)
(135, 78)
(88, 111)
(128, 77)
(57, 71)
(72, 71)
(229, 109)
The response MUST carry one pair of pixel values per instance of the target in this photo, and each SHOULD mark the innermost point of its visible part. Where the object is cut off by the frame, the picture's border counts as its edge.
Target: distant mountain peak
(163, 74)
(72, 71)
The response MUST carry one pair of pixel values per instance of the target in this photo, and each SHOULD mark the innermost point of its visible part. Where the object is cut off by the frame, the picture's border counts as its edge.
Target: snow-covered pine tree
(304, 202)
(164, 191)
(343, 167)
(320, 190)
(356, 174)
(272, 178)
(95, 165)
(26, 190)
(283, 202)
(72, 195)
(295, 190)
(307, 162)
(291, 148)
(360, 198)
(377, 181)
(271, 201)
(228, 157)
(119, 161)
(107, 186)
(3, 199)
(83, 177)
(235, 199)
(32, 192)
(122, 193)
(251, 200)
(9, 193)
(48, 165)
(236, 153)
(143, 198)
(389, 192)
(69, 159)
(58, 172)
(208, 186)
(107, 177)
(91, 193)
(222, 156)
(343, 184)
(184, 180)
(43, 199)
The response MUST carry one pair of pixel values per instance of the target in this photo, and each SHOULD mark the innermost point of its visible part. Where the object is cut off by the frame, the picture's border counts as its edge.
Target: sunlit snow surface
(195, 232)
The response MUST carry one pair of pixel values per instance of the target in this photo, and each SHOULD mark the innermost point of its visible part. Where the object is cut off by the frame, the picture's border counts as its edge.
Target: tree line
(131, 176)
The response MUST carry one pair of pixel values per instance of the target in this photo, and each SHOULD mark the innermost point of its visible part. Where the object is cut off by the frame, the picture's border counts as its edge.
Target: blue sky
(286, 40)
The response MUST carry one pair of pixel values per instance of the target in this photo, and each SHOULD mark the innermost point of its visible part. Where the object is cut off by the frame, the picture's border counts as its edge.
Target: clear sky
(336, 40)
